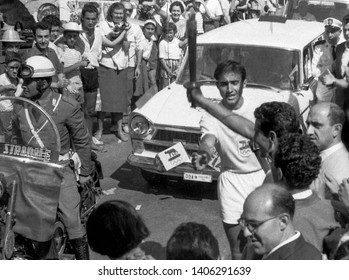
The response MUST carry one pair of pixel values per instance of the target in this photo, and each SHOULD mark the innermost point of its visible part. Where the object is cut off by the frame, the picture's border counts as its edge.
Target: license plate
(197, 177)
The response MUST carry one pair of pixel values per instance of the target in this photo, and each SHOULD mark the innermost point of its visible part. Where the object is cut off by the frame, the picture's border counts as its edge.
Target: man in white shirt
(325, 123)
(92, 40)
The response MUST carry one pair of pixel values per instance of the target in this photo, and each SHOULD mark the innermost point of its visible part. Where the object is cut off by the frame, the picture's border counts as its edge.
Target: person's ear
(245, 83)
(337, 130)
(284, 221)
(277, 174)
(273, 140)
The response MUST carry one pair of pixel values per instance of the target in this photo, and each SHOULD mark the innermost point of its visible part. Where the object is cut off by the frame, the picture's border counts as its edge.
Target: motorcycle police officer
(37, 73)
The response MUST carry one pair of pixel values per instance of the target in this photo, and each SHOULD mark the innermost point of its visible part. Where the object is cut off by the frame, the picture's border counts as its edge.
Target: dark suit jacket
(298, 249)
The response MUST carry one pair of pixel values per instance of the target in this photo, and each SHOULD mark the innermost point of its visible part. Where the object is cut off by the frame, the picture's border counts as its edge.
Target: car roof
(293, 34)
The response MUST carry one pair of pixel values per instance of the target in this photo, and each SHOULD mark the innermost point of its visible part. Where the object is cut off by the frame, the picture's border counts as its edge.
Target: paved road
(163, 207)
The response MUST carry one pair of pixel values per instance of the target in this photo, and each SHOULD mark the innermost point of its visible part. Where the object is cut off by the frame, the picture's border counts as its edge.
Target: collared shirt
(93, 53)
(292, 238)
(326, 153)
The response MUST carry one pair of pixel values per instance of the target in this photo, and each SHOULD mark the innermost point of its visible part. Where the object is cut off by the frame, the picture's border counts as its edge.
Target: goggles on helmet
(26, 72)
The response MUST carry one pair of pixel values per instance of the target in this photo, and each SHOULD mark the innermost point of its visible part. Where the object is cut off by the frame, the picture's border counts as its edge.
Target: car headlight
(139, 125)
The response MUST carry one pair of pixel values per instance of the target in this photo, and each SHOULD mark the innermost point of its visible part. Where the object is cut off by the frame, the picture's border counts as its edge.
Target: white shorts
(233, 188)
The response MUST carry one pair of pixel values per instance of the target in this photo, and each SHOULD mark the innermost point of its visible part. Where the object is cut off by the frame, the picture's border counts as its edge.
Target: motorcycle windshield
(27, 131)
(29, 149)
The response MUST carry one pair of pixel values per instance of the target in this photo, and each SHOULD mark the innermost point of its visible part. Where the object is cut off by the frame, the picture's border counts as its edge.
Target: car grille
(158, 149)
(177, 136)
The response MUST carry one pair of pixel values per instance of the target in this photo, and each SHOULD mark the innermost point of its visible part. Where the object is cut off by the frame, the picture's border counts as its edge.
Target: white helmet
(37, 67)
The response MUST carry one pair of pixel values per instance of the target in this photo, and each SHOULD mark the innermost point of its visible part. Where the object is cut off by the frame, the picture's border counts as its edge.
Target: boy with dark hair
(10, 85)
(192, 241)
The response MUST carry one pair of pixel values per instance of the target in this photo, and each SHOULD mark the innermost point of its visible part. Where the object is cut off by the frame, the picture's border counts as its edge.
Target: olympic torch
(191, 31)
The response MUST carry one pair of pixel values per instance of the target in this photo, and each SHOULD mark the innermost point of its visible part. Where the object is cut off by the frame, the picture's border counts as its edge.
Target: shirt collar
(326, 153)
(303, 194)
(292, 238)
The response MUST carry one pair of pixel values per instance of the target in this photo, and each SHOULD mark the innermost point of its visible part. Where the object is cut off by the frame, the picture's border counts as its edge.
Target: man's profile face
(230, 86)
(42, 38)
(319, 128)
(266, 236)
(33, 88)
(89, 21)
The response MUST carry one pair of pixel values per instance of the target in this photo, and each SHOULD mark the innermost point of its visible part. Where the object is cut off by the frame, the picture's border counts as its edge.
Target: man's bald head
(272, 199)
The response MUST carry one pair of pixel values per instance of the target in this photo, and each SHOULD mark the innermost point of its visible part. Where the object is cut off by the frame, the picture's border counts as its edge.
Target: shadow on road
(130, 178)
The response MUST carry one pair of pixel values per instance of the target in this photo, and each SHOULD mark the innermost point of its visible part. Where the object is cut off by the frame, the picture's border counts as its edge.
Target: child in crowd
(10, 85)
(150, 53)
(71, 55)
(170, 54)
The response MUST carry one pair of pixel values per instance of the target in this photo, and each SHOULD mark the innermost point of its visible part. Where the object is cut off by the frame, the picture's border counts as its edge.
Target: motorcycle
(30, 180)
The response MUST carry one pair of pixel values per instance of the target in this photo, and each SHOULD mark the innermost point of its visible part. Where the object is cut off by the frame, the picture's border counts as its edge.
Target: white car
(277, 57)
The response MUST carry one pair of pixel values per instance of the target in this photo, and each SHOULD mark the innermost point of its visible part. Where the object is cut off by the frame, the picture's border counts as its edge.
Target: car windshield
(270, 67)
(317, 10)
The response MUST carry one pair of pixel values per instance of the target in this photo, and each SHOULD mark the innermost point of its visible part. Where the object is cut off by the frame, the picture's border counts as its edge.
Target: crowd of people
(289, 201)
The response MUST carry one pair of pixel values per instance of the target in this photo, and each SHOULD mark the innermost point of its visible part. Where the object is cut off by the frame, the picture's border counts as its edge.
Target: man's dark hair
(178, 4)
(114, 228)
(335, 114)
(89, 8)
(279, 117)
(230, 66)
(299, 160)
(282, 202)
(12, 56)
(41, 25)
(52, 20)
(192, 241)
(112, 8)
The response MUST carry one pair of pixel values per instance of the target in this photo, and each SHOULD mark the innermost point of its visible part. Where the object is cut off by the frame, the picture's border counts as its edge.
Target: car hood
(170, 106)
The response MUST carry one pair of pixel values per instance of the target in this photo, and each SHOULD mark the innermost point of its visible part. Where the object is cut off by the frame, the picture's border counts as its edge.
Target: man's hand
(331, 183)
(343, 192)
(200, 160)
(84, 179)
(329, 80)
(194, 93)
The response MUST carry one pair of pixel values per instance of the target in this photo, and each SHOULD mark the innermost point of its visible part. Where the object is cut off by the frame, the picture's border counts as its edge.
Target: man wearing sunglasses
(37, 74)
(267, 223)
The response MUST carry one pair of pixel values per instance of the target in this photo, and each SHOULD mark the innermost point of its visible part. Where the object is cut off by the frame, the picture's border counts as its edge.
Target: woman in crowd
(112, 72)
